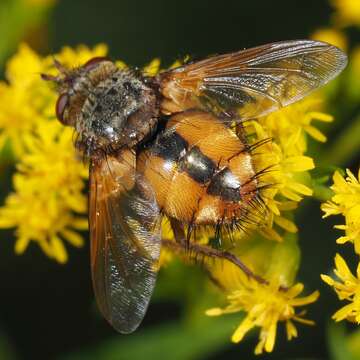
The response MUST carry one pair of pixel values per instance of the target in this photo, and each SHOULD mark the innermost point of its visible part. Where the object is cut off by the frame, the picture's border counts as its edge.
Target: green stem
(322, 193)
(16, 16)
(346, 146)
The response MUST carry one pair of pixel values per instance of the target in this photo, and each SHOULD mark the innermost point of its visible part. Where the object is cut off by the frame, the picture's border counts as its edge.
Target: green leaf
(353, 342)
(346, 146)
(284, 260)
(322, 180)
(322, 193)
(173, 340)
(338, 344)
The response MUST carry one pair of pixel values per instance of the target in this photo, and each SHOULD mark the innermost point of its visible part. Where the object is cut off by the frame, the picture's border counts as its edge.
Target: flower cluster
(48, 204)
(346, 201)
(285, 157)
(346, 15)
(348, 288)
(48, 183)
(344, 195)
(265, 306)
(347, 12)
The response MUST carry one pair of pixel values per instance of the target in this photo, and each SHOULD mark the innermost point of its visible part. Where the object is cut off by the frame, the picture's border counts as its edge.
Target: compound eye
(61, 104)
(92, 63)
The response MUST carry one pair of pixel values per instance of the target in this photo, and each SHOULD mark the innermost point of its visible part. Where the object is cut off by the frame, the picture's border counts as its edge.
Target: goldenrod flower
(48, 203)
(331, 36)
(265, 306)
(347, 12)
(346, 201)
(152, 68)
(72, 57)
(285, 158)
(16, 118)
(289, 125)
(347, 288)
(24, 100)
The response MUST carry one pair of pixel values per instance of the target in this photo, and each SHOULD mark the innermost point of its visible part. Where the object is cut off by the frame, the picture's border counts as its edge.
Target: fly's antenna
(61, 69)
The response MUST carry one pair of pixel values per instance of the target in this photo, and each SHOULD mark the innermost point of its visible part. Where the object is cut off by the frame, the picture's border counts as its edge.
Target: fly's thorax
(110, 108)
(119, 111)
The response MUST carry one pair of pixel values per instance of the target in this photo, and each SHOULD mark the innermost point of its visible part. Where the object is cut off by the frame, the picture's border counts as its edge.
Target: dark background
(46, 309)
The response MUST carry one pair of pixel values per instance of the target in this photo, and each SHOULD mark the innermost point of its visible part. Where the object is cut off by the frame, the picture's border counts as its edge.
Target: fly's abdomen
(201, 172)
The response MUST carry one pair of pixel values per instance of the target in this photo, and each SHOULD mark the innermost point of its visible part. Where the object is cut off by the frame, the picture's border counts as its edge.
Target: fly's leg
(198, 251)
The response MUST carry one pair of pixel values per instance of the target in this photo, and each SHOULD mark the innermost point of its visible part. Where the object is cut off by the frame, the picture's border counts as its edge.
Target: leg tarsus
(206, 251)
(178, 230)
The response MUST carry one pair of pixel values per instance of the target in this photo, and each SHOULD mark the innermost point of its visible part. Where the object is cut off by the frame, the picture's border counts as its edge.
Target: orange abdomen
(200, 170)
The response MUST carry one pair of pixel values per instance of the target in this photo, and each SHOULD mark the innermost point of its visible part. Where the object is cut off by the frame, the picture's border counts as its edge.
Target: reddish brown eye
(61, 104)
(94, 62)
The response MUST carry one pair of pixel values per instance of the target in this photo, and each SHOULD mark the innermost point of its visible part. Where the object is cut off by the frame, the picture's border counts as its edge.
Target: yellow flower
(346, 201)
(16, 117)
(48, 204)
(285, 158)
(72, 57)
(24, 68)
(152, 68)
(348, 288)
(265, 306)
(24, 100)
(289, 125)
(331, 36)
(347, 12)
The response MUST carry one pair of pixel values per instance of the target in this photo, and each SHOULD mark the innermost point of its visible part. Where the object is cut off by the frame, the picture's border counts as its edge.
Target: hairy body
(174, 145)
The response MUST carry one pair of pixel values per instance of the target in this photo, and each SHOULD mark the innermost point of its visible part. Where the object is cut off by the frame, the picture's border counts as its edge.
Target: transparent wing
(125, 241)
(253, 82)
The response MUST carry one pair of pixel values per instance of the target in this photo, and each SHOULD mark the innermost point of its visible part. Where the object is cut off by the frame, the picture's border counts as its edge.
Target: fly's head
(110, 108)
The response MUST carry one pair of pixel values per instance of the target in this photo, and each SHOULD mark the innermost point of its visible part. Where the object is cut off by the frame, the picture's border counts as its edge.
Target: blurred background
(47, 310)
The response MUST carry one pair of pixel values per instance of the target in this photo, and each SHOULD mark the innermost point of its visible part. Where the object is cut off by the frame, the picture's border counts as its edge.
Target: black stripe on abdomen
(226, 185)
(198, 166)
(171, 146)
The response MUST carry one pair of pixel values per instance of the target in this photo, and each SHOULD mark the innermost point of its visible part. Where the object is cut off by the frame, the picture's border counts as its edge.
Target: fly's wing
(125, 240)
(253, 82)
